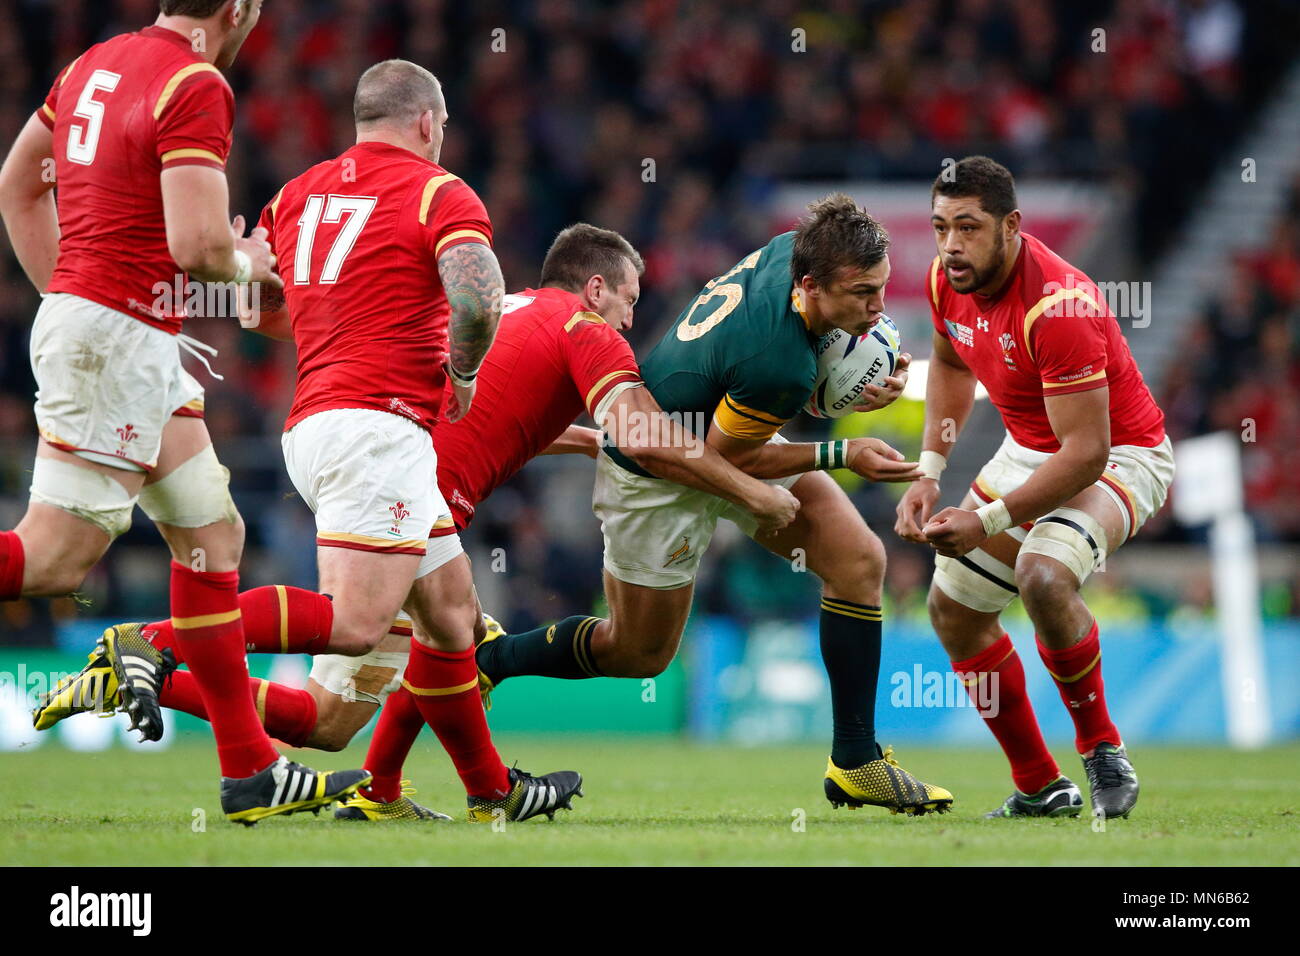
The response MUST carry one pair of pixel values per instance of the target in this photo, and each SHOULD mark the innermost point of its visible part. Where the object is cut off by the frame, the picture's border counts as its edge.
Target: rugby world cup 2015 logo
(399, 513)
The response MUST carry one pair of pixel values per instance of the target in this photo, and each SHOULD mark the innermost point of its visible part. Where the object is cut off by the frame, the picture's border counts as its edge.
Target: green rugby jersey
(740, 355)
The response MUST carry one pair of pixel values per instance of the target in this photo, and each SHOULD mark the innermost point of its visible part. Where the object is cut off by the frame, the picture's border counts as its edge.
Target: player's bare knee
(356, 638)
(855, 572)
(1044, 582)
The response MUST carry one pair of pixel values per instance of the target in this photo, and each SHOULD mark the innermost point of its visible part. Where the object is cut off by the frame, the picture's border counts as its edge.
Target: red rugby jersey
(358, 240)
(121, 113)
(1048, 331)
(551, 360)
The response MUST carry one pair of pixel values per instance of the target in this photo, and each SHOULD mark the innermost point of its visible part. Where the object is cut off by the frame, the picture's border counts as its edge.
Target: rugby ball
(847, 364)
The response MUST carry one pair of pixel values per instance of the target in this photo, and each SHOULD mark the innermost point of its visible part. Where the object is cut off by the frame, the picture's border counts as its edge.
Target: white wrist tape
(243, 267)
(932, 464)
(995, 517)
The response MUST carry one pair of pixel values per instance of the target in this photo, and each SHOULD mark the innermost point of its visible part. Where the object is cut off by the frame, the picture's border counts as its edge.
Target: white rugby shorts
(107, 383)
(372, 480)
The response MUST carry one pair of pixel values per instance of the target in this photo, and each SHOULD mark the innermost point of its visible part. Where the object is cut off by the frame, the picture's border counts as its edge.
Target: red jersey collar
(162, 33)
(390, 148)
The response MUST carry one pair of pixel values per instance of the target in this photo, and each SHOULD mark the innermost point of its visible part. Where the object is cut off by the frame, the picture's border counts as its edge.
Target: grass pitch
(650, 801)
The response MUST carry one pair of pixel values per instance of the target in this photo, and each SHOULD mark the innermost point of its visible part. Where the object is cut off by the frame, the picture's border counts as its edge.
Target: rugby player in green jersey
(741, 362)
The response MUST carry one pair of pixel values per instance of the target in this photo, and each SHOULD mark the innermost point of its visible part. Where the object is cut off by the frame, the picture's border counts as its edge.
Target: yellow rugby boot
(883, 783)
(140, 669)
(93, 689)
(403, 808)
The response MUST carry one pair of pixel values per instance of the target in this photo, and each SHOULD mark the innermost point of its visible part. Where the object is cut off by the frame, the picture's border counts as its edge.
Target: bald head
(396, 93)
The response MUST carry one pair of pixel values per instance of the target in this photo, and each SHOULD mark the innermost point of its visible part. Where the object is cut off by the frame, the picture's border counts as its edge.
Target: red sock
(445, 688)
(400, 722)
(12, 560)
(1077, 672)
(210, 636)
(287, 714)
(1009, 714)
(277, 620)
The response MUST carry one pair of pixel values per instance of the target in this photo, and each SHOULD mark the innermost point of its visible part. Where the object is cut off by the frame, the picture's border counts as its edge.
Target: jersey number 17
(329, 209)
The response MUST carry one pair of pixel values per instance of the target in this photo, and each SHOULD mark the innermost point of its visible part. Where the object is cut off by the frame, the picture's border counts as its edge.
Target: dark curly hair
(985, 179)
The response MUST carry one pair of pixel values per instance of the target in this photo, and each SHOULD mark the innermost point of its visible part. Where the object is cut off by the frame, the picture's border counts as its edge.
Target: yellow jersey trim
(207, 154)
(460, 234)
(1079, 381)
(595, 389)
(1045, 303)
(431, 187)
(582, 317)
(747, 424)
(179, 77)
(934, 282)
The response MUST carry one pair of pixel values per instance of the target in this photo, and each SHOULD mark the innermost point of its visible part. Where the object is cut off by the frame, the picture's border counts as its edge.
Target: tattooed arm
(472, 279)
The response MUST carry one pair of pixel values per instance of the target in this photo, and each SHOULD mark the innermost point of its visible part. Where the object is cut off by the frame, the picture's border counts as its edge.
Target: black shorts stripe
(1092, 542)
(988, 574)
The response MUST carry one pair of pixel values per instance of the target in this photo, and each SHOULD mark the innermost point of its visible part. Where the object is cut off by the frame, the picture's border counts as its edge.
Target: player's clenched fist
(914, 510)
(258, 250)
(775, 508)
(877, 461)
(954, 531)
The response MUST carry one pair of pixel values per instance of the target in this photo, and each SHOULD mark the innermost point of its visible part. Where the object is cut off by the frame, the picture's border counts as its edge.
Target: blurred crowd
(672, 122)
(1239, 371)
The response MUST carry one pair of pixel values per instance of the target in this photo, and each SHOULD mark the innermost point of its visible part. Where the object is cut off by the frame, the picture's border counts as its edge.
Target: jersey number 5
(83, 141)
(329, 209)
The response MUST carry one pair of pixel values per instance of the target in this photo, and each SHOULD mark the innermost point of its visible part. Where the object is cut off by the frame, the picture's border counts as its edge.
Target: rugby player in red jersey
(392, 289)
(1084, 464)
(559, 344)
(137, 131)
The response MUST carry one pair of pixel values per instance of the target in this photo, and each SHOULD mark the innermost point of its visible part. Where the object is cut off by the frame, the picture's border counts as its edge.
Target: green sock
(561, 650)
(850, 641)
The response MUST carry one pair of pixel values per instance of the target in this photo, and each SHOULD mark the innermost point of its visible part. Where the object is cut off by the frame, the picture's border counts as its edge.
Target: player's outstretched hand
(914, 510)
(877, 461)
(459, 401)
(259, 250)
(875, 397)
(775, 509)
(954, 531)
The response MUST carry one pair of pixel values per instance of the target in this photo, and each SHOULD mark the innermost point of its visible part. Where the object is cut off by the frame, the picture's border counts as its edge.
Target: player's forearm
(686, 459)
(273, 323)
(776, 459)
(576, 440)
(1072, 469)
(33, 227)
(471, 278)
(195, 203)
(949, 398)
